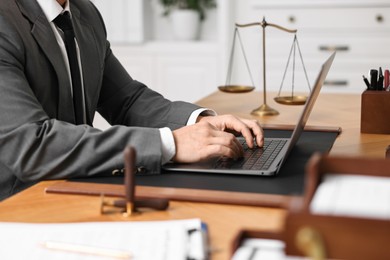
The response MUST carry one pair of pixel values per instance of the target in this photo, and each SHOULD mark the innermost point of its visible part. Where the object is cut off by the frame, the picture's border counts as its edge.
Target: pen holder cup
(375, 111)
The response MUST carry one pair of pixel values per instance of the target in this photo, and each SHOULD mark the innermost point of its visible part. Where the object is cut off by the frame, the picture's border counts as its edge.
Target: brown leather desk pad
(219, 188)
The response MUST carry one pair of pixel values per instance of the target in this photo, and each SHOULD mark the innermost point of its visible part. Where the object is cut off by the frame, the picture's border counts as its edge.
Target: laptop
(266, 160)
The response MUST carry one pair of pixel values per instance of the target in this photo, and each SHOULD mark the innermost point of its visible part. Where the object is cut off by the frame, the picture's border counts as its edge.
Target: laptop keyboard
(259, 158)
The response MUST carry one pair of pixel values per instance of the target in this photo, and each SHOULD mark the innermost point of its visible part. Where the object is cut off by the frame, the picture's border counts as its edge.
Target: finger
(218, 150)
(229, 141)
(243, 127)
(257, 131)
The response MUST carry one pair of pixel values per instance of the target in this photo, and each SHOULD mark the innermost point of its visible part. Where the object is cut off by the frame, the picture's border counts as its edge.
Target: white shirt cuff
(167, 145)
(200, 111)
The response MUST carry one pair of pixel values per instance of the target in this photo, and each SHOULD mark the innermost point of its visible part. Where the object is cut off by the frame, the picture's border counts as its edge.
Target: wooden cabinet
(181, 71)
(359, 30)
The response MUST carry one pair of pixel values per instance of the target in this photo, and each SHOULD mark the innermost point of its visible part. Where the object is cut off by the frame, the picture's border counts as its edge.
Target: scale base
(265, 110)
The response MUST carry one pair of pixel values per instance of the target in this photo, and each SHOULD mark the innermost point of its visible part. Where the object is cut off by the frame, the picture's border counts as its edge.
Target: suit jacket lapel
(89, 59)
(42, 33)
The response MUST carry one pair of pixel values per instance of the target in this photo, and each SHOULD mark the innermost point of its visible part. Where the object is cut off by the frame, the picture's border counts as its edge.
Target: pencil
(84, 249)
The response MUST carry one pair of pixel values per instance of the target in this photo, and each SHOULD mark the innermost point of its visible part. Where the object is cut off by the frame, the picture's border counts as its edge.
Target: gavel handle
(157, 204)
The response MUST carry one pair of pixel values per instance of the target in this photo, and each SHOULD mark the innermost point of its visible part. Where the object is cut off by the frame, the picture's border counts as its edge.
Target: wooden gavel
(131, 203)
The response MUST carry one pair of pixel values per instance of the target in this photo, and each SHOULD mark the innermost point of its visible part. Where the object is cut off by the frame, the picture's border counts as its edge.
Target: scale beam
(264, 109)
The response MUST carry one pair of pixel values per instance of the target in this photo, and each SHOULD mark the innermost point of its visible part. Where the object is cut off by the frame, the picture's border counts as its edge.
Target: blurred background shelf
(142, 39)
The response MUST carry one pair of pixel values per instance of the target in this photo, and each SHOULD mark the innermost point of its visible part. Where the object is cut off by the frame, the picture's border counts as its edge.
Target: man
(49, 92)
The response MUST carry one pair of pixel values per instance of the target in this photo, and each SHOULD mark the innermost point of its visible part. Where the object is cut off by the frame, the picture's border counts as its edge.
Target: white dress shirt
(51, 9)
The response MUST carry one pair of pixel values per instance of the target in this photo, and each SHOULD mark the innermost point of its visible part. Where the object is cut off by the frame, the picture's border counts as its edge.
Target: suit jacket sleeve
(36, 143)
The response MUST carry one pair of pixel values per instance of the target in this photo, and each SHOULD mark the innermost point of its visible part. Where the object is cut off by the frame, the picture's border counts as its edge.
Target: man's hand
(250, 129)
(212, 137)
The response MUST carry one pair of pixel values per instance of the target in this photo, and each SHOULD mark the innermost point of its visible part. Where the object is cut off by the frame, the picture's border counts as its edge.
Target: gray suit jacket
(38, 137)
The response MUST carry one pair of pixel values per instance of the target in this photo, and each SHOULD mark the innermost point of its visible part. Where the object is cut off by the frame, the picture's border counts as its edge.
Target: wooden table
(329, 110)
(34, 205)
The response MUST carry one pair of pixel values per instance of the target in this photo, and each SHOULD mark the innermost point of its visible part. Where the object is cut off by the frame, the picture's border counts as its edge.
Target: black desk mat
(289, 181)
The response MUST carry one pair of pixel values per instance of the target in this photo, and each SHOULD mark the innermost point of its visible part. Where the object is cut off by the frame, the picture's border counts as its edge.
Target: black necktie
(63, 21)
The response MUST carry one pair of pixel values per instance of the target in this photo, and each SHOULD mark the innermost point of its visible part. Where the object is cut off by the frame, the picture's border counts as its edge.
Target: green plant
(199, 5)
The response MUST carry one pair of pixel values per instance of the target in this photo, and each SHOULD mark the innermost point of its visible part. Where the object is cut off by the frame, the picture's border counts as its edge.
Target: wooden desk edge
(178, 194)
(335, 129)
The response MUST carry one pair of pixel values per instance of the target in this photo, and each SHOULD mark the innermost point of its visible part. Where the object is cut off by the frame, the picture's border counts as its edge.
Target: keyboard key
(259, 158)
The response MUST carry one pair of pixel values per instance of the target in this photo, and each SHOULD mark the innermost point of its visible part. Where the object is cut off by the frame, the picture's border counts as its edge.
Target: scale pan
(236, 88)
(291, 100)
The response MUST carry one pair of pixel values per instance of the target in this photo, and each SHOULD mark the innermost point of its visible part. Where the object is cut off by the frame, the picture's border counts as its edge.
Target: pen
(367, 83)
(380, 80)
(84, 249)
(374, 79)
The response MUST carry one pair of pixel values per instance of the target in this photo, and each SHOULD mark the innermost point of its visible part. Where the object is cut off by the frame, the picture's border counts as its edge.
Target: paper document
(353, 195)
(262, 249)
(169, 240)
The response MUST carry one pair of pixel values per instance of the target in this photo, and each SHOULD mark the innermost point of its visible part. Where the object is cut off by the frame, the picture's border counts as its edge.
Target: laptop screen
(309, 105)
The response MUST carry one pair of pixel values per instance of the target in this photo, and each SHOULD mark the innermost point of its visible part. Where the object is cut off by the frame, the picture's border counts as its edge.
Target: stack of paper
(171, 240)
(353, 195)
(260, 249)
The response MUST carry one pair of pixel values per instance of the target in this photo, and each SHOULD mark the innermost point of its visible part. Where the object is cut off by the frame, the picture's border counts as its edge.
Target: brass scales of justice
(264, 109)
